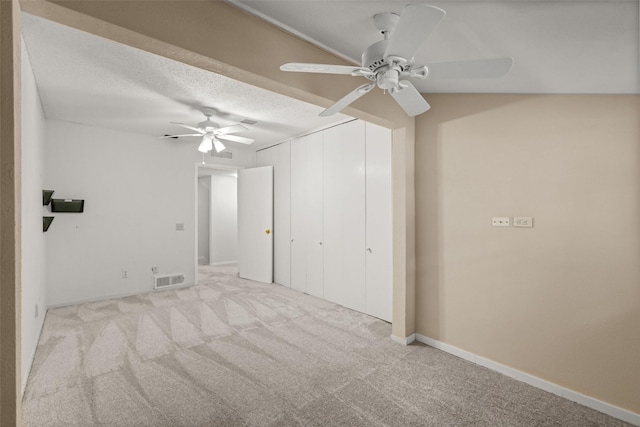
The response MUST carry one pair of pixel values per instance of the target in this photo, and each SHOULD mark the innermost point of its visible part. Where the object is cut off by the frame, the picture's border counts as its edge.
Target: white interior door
(279, 156)
(255, 224)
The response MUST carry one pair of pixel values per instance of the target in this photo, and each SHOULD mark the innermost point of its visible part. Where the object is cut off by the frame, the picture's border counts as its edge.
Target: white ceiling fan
(389, 62)
(212, 133)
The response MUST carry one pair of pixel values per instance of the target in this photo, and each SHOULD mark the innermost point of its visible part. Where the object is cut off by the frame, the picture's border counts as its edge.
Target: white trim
(340, 122)
(290, 30)
(33, 352)
(312, 131)
(590, 402)
(404, 341)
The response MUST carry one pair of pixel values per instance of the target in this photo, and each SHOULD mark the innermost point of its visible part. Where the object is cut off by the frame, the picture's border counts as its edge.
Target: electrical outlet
(523, 221)
(179, 226)
(125, 274)
(501, 221)
(154, 269)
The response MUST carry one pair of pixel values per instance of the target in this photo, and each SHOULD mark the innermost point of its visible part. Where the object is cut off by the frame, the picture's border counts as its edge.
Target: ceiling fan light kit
(212, 133)
(390, 62)
(206, 145)
(219, 146)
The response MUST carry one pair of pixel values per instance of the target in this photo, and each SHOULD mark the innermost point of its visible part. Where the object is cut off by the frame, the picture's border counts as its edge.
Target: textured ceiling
(577, 47)
(86, 79)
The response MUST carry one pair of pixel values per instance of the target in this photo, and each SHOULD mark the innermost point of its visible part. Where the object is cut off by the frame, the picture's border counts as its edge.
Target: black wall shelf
(46, 197)
(46, 222)
(67, 205)
(59, 205)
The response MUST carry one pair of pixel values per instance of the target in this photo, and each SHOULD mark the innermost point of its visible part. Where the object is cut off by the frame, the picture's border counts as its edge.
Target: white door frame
(200, 165)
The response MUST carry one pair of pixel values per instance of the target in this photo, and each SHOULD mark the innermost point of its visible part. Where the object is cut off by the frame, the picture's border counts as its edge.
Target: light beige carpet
(232, 352)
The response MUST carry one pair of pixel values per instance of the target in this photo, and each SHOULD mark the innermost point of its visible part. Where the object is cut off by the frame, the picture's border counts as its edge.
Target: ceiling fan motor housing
(386, 73)
(373, 56)
(208, 125)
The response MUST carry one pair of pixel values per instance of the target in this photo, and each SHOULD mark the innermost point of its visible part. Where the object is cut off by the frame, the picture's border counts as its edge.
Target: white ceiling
(86, 79)
(577, 47)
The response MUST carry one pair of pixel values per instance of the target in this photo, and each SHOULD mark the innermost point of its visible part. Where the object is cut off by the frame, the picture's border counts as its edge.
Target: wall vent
(162, 281)
(226, 154)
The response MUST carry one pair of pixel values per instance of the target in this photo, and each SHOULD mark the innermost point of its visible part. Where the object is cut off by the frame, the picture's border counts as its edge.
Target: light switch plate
(523, 221)
(501, 221)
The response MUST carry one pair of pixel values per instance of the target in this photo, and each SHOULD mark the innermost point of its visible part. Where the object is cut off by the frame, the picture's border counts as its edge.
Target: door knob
(369, 250)
(267, 231)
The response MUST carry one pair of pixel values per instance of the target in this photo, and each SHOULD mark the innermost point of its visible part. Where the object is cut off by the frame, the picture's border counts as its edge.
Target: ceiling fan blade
(476, 69)
(235, 138)
(299, 67)
(177, 136)
(416, 22)
(230, 129)
(348, 99)
(409, 98)
(201, 132)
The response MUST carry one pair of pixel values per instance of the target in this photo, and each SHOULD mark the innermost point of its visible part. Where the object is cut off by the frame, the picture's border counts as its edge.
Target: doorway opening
(216, 215)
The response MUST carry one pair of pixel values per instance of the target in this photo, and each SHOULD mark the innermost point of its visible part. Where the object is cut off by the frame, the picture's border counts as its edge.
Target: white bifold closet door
(306, 214)
(341, 227)
(344, 215)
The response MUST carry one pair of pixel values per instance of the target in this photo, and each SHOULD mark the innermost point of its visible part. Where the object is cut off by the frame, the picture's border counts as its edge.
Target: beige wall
(561, 300)
(404, 266)
(10, 215)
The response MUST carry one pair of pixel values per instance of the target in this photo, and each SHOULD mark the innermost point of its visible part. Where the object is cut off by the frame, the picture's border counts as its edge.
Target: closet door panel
(314, 215)
(379, 271)
(333, 226)
(298, 241)
(344, 215)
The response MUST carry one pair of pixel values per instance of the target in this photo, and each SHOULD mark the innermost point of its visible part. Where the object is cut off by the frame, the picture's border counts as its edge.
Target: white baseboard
(214, 264)
(404, 341)
(590, 402)
(121, 295)
(32, 356)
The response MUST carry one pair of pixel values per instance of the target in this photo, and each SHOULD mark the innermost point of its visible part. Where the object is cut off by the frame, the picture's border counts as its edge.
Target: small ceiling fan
(212, 133)
(389, 63)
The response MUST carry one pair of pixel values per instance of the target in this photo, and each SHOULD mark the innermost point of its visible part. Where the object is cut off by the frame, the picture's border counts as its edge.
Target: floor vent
(162, 281)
